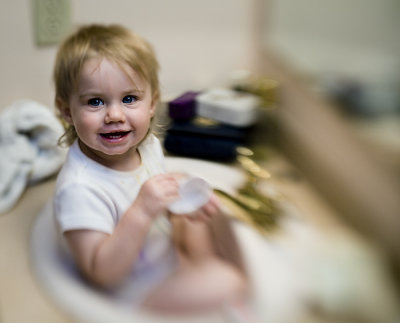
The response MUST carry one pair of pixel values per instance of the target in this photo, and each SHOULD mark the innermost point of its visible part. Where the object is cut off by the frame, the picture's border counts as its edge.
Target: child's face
(111, 110)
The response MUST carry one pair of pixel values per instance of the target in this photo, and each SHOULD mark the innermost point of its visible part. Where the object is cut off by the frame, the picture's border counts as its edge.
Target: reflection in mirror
(347, 51)
(346, 138)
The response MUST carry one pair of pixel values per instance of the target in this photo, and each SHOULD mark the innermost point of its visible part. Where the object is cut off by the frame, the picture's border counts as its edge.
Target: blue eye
(95, 102)
(129, 99)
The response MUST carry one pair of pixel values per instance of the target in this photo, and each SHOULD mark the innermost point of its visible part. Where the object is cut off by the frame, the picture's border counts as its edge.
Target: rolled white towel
(29, 132)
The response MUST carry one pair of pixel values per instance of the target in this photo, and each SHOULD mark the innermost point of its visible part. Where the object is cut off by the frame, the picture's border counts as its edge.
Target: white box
(228, 106)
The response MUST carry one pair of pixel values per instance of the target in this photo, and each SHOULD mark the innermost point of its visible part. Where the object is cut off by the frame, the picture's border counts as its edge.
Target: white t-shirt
(91, 196)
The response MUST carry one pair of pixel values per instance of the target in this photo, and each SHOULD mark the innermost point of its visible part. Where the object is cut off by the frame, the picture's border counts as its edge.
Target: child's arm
(106, 259)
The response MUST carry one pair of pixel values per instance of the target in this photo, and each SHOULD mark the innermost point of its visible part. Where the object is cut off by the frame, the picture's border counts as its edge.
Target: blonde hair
(113, 42)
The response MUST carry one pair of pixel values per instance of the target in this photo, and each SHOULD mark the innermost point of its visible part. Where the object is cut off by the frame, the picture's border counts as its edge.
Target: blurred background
(339, 65)
(185, 34)
(347, 51)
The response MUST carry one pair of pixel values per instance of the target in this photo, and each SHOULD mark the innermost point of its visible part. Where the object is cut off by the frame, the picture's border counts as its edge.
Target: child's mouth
(114, 135)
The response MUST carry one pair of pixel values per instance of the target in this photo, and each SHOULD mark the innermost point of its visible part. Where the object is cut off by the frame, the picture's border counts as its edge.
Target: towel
(29, 152)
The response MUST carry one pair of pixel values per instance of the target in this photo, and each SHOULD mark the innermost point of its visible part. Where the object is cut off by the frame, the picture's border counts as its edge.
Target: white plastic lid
(194, 193)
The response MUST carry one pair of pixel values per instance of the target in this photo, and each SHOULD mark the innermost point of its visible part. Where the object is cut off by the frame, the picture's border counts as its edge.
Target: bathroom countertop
(22, 299)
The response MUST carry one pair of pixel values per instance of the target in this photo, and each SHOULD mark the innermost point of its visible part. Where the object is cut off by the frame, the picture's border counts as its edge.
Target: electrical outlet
(52, 20)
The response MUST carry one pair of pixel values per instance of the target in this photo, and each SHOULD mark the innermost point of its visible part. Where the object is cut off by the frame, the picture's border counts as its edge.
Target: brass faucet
(261, 211)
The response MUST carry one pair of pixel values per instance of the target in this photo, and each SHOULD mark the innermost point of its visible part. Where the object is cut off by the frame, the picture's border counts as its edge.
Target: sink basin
(277, 294)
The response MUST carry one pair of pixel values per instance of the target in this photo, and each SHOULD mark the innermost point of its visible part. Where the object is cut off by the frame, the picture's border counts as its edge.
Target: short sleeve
(153, 155)
(80, 207)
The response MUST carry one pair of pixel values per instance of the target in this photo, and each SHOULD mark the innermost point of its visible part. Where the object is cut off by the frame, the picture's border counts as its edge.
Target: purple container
(183, 107)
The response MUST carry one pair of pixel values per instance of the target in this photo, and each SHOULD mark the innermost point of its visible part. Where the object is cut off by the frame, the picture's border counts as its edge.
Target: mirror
(348, 52)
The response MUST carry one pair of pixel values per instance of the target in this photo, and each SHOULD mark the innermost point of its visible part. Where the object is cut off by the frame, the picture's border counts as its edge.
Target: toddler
(112, 194)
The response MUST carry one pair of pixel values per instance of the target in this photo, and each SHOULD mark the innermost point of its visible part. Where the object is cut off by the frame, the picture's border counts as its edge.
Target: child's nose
(114, 113)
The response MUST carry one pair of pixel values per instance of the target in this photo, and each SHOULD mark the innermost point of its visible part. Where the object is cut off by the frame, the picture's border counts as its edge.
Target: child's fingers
(163, 185)
(211, 209)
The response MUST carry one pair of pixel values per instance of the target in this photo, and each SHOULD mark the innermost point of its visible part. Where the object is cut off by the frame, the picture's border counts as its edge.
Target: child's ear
(153, 108)
(154, 103)
(65, 112)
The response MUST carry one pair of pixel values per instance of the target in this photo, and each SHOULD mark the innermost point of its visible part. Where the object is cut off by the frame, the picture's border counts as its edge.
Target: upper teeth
(114, 134)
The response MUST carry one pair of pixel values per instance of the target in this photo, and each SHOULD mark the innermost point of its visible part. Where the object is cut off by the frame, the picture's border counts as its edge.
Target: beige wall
(198, 43)
(358, 38)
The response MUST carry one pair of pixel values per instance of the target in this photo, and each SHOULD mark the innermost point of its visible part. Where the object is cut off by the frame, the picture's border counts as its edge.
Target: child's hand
(208, 211)
(157, 193)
